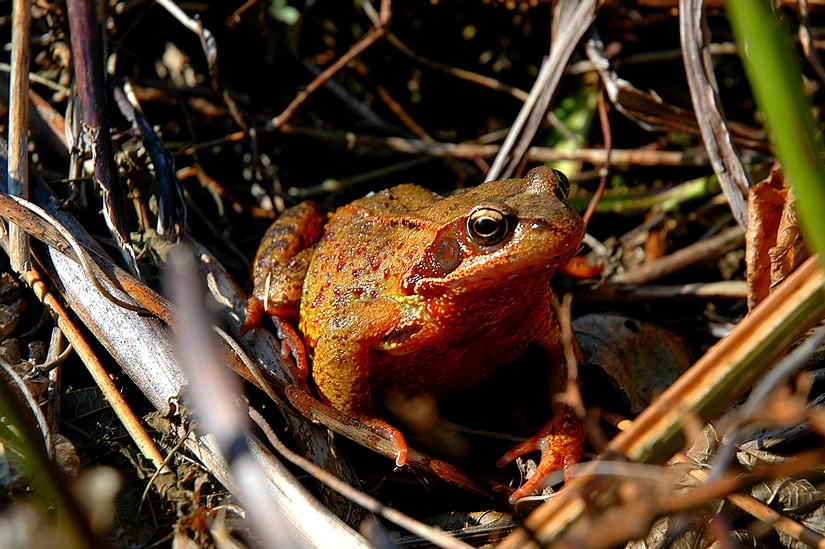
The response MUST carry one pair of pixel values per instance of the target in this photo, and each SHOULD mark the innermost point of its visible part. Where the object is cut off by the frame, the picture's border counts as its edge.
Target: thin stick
(377, 31)
(704, 93)
(121, 408)
(67, 239)
(704, 250)
(18, 167)
(435, 536)
(94, 118)
(759, 510)
(618, 157)
(210, 51)
(515, 146)
(605, 169)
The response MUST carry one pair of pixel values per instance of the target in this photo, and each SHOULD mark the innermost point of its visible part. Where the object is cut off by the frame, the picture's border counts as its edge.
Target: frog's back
(366, 249)
(396, 201)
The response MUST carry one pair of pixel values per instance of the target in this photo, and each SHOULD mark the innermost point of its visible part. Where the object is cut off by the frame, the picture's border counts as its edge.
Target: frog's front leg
(561, 441)
(342, 368)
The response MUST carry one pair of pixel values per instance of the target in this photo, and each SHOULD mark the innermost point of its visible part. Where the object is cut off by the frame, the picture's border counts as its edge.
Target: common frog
(405, 290)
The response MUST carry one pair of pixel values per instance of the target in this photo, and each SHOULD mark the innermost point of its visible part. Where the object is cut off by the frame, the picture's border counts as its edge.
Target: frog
(408, 291)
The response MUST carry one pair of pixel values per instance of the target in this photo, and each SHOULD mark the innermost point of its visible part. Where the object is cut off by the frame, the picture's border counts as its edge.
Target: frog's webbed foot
(561, 442)
(381, 426)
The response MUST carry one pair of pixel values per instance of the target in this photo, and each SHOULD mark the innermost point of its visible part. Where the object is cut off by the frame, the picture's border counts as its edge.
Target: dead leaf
(764, 211)
(656, 243)
(773, 241)
(641, 359)
(797, 498)
(784, 254)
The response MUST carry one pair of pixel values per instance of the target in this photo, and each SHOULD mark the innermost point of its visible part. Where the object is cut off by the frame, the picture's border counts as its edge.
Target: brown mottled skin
(403, 293)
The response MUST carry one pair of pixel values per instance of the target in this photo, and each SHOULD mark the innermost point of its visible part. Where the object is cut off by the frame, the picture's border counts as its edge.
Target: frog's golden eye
(563, 188)
(487, 226)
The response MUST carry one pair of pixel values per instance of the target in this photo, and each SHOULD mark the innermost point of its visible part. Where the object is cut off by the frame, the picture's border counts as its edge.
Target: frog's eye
(563, 188)
(487, 226)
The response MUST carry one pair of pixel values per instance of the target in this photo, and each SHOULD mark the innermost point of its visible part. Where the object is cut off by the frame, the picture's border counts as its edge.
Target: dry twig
(707, 104)
(18, 166)
(579, 17)
(94, 117)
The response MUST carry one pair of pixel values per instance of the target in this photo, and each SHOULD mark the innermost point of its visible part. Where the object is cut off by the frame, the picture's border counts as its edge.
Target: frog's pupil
(486, 226)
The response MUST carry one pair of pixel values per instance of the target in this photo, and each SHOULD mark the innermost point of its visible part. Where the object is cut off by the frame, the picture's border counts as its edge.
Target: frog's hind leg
(345, 373)
(350, 392)
(282, 262)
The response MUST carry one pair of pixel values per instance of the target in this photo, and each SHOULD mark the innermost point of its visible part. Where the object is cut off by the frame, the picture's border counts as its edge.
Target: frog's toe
(390, 432)
(254, 311)
(291, 343)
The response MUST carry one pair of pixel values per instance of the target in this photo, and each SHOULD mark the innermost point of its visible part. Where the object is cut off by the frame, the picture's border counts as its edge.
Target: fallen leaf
(784, 255)
(640, 358)
(773, 243)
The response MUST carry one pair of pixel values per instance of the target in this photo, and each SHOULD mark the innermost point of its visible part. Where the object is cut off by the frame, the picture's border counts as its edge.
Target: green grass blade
(774, 74)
